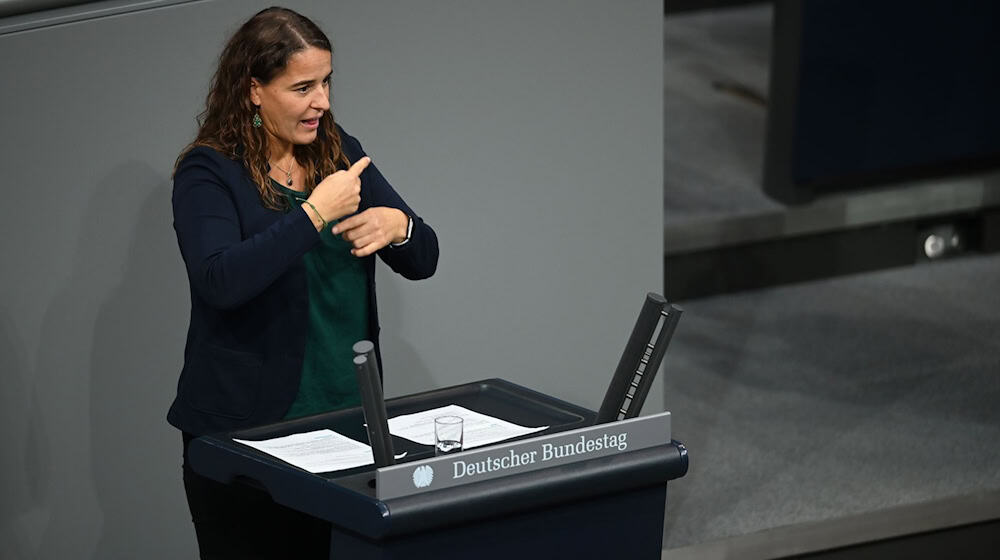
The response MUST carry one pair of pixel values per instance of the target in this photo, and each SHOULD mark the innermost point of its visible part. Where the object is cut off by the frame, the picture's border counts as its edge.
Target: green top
(338, 317)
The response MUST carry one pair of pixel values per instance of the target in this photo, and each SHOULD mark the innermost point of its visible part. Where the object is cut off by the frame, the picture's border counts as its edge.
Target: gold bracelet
(318, 215)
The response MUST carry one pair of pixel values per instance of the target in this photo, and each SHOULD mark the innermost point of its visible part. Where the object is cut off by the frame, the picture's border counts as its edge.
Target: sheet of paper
(318, 451)
(478, 429)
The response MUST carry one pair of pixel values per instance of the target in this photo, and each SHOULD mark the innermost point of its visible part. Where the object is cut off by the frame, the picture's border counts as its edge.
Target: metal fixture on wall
(18, 7)
(25, 15)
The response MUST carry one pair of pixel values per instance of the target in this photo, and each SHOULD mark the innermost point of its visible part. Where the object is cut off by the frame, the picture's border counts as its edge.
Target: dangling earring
(256, 120)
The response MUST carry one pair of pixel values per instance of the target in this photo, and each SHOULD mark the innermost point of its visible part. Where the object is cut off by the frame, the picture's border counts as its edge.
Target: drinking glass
(447, 435)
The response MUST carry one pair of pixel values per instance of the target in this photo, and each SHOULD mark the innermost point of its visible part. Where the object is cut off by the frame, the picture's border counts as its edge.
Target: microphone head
(363, 347)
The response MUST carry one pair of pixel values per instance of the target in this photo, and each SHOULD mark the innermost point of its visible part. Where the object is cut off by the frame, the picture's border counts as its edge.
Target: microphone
(640, 360)
(373, 403)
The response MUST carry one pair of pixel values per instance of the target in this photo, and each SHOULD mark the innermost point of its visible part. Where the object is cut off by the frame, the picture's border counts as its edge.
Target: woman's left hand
(373, 229)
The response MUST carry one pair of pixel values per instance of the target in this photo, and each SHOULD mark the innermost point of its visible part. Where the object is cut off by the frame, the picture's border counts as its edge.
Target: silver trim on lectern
(506, 459)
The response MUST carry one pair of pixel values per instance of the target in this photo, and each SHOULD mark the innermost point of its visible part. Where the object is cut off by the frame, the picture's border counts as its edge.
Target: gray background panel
(527, 133)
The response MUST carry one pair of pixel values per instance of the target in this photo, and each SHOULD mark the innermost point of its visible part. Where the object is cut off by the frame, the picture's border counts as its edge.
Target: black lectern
(591, 485)
(578, 496)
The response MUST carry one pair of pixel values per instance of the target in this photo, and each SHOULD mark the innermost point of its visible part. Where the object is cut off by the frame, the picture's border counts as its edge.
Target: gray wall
(529, 133)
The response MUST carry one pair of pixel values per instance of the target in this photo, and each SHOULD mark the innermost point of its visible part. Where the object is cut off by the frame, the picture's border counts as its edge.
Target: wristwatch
(409, 232)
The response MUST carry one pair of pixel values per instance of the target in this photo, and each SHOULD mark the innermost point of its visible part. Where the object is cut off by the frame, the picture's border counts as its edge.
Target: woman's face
(292, 103)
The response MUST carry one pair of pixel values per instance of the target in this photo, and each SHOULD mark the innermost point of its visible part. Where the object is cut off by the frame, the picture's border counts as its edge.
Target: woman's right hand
(339, 194)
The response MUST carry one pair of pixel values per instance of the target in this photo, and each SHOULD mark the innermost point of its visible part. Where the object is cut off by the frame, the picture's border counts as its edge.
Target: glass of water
(447, 435)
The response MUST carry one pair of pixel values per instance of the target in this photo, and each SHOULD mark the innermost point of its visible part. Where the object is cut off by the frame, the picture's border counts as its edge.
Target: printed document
(318, 451)
(478, 429)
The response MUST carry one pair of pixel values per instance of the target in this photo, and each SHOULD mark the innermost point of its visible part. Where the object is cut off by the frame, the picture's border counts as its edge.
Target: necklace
(288, 174)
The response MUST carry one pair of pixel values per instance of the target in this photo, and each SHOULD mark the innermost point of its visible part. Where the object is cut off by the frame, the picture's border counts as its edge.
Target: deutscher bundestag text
(547, 452)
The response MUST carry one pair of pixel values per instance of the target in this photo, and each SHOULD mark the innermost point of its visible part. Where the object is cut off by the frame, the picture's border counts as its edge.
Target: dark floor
(830, 398)
(714, 131)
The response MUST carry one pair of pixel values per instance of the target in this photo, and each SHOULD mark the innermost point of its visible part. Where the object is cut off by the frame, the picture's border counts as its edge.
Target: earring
(256, 120)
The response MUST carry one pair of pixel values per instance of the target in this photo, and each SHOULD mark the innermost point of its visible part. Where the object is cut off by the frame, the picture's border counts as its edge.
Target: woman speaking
(279, 215)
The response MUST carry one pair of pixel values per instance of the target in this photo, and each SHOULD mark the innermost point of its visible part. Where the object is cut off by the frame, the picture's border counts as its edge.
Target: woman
(278, 214)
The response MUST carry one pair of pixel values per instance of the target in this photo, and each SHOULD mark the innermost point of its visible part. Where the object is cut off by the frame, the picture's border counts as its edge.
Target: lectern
(591, 485)
(574, 490)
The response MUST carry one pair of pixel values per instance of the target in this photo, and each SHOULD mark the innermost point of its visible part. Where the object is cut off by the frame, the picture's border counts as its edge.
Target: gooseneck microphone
(372, 403)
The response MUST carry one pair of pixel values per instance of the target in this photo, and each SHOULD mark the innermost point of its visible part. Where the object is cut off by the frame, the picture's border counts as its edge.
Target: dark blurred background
(831, 196)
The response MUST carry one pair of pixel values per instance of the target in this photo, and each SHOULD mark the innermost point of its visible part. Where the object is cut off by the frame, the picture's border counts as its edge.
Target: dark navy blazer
(249, 297)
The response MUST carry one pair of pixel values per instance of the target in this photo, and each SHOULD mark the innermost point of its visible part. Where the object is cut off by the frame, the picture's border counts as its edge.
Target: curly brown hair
(260, 49)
